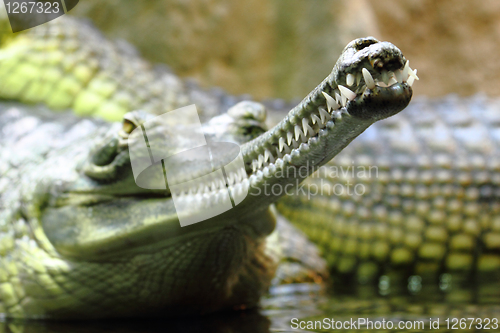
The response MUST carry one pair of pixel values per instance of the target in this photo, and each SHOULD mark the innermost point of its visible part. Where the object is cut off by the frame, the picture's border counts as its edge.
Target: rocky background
(283, 48)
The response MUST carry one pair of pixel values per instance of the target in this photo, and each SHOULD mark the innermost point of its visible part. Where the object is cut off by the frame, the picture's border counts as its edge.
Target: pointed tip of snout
(381, 102)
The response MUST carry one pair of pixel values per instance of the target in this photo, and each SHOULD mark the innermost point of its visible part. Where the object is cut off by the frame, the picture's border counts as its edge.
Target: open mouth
(303, 133)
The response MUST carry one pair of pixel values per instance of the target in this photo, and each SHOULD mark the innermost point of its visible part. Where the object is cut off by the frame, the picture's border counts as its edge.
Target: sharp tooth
(410, 81)
(213, 186)
(236, 177)
(267, 153)
(370, 83)
(392, 81)
(323, 114)
(315, 119)
(307, 128)
(358, 78)
(330, 102)
(413, 74)
(298, 132)
(338, 98)
(406, 70)
(243, 174)
(350, 79)
(399, 75)
(289, 137)
(254, 166)
(385, 77)
(287, 149)
(347, 93)
(281, 143)
(231, 178)
(261, 160)
(344, 100)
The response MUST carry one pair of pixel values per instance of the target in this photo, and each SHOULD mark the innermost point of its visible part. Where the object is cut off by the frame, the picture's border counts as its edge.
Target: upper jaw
(371, 81)
(368, 67)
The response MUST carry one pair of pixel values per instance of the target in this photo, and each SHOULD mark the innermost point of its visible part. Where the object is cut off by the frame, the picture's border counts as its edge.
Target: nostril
(365, 42)
(106, 154)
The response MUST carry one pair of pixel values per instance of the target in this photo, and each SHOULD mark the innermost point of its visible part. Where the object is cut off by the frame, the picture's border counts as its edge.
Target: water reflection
(418, 303)
(245, 322)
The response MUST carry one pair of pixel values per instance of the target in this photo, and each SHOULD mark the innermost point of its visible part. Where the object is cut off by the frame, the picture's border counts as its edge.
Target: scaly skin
(81, 240)
(42, 277)
(428, 187)
(68, 64)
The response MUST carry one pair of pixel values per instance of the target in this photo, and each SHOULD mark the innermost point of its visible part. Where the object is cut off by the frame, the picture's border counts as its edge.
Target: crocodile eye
(134, 119)
(252, 130)
(128, 126)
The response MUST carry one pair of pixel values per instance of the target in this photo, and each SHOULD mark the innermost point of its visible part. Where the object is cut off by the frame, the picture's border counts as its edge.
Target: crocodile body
(68, 64)
(38, 279)
(427, 178)
(81, 240)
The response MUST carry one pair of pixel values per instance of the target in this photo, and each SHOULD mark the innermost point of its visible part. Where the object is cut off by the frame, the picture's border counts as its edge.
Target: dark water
(415, 307)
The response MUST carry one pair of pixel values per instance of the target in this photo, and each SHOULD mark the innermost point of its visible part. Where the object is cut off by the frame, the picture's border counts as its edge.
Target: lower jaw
(283, 176)
(300, 162)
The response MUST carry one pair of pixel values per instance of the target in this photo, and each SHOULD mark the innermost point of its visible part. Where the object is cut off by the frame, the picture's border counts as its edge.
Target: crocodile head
(103, 216)
(370, 81)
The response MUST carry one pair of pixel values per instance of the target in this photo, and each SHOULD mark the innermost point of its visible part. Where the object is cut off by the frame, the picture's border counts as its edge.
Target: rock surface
(282, 48)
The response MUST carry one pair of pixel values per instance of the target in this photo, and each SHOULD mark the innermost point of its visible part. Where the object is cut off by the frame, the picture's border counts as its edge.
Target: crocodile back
(417, 193)
(431, 128)
(68, 64)
(35, 145)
